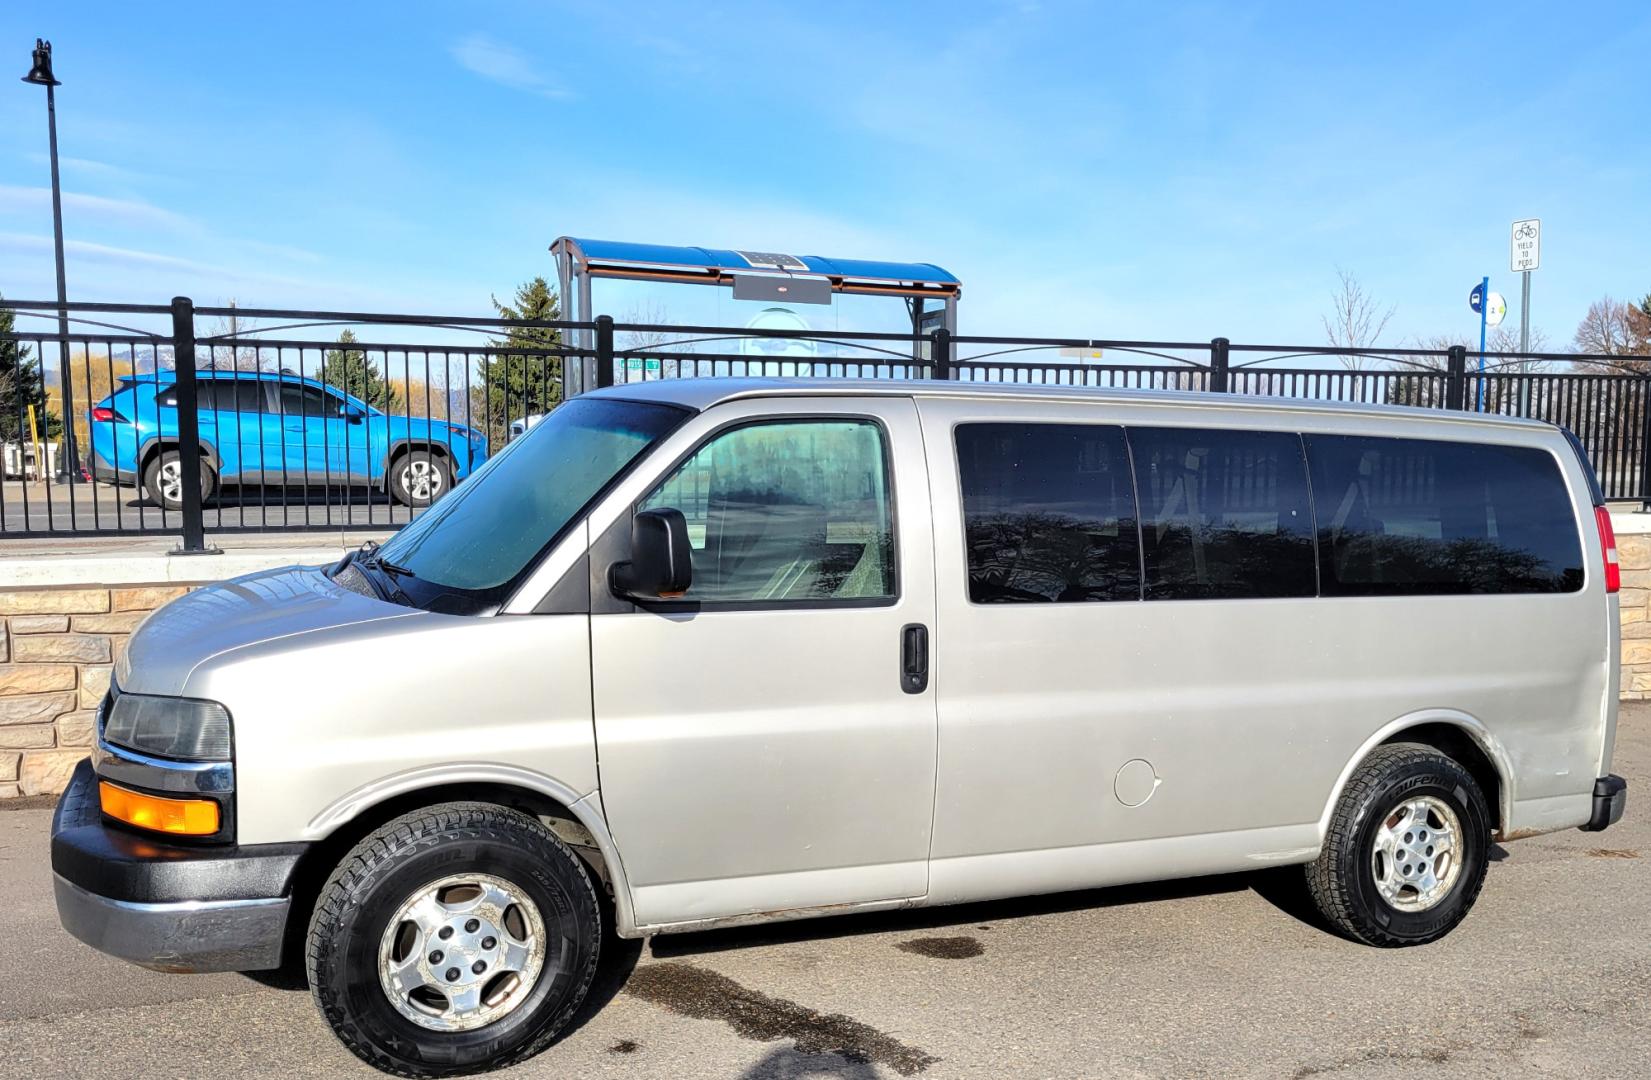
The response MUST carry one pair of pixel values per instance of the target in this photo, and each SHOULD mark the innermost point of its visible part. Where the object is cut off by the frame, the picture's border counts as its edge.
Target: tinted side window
(1048, 513)
(1412, 517)
(1224, 514)
(232, 395)
(787, 511)
(221, 395)
(300, 400)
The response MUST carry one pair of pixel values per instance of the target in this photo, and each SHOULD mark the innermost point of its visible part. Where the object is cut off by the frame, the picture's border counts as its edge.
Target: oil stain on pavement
(706, 995)
(943, 948)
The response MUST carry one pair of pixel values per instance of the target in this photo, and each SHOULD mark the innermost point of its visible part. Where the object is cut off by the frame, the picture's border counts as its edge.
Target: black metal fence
(283, 422)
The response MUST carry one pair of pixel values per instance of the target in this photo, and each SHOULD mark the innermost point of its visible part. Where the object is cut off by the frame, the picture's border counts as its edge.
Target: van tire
(1343, 879)
(377, 878)
(160, 483)
(419, 477)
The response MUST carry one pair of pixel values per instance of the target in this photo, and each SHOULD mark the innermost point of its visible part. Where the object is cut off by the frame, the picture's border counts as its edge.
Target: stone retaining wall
(57, 647)
(1634, 553)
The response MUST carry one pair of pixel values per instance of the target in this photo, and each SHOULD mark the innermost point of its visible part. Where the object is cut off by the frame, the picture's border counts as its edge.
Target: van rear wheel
(452, 940)
(1407, 849)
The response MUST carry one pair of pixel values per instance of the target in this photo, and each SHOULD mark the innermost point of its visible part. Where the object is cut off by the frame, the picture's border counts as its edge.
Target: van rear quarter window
(1400, 517)
(1048, 513)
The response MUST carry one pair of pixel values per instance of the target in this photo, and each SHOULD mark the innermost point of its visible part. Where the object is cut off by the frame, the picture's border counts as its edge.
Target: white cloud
(507, 66)
(87, 166)
(123, 211)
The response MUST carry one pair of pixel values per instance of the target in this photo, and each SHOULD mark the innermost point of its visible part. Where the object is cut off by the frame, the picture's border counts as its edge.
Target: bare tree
(1356, 320)
(642, 342)
(1615, 328)
(234, 354)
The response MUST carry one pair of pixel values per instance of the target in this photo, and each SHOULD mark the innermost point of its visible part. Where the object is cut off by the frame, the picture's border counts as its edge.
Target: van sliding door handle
(914, 658)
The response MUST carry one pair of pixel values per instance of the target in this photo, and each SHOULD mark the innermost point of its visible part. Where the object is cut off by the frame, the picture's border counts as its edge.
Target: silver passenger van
(704, 652)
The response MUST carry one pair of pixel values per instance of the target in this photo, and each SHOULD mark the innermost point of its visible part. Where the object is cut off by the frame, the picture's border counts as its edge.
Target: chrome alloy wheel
(171, 477)
(1415, 856)
(462, 952)
(421, 480)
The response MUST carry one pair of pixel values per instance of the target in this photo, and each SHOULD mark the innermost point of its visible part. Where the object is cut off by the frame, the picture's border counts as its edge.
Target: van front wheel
(454, 939)
(1407, 849)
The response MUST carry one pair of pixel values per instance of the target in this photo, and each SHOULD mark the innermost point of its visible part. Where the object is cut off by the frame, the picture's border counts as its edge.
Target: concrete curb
(55, 571)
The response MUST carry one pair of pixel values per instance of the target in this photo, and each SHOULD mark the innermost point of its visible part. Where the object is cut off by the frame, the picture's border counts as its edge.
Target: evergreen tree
(21, 386)
(352, 372)
(519, 385)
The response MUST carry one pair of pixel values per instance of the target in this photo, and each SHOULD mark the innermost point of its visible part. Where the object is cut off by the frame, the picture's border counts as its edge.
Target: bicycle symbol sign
(1525, 246)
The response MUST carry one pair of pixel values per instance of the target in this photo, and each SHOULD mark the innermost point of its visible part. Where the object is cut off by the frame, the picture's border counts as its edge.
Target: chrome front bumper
(186, 935)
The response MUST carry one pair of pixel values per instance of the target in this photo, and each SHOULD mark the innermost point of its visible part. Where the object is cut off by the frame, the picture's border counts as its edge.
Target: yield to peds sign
(1525, 246)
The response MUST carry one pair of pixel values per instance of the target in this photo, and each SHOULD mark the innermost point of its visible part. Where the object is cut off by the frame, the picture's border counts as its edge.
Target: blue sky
(1143, 170)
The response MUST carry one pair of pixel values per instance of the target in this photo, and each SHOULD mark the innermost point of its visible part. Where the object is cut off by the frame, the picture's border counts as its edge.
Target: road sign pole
(1484, 310)
(1525, 312)
(1524, 341)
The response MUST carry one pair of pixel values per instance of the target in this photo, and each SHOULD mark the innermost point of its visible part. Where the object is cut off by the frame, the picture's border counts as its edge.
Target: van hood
(219, 618)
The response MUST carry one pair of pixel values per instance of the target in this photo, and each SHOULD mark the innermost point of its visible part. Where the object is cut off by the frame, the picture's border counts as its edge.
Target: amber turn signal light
(184, 817)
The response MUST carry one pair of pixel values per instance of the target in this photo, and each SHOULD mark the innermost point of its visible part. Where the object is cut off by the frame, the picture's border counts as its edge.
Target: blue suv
(277, 429)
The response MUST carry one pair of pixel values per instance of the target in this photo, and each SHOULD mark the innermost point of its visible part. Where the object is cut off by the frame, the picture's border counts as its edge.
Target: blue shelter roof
(718, 261)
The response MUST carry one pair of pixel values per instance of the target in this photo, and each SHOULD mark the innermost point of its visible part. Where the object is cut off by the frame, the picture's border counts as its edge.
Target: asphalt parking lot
(1550, 976)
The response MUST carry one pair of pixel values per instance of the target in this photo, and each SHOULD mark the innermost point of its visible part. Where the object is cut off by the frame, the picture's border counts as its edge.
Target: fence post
(940, 352)
(1219, 365)
(604, 350)
(1456, 378)
(189, 428)
(1645, 443)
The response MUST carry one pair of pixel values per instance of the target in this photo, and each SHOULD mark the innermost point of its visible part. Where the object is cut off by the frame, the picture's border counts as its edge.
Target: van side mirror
(661, 564)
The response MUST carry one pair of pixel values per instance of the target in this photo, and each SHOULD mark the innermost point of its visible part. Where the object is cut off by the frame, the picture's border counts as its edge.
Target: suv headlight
(180, 728)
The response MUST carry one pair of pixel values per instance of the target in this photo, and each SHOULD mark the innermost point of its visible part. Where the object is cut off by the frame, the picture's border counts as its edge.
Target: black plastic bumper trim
(123, 866)
(1610, 800)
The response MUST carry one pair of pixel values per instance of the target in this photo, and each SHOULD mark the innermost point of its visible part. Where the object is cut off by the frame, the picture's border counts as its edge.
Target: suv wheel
(163, 480)
(419, 478)
(1407, 849)
(454, 939)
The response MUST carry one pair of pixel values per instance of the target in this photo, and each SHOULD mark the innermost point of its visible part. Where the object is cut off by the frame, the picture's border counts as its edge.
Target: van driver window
(787, 511)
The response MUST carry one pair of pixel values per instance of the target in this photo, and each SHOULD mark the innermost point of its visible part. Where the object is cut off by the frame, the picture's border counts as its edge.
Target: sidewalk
(131, 560)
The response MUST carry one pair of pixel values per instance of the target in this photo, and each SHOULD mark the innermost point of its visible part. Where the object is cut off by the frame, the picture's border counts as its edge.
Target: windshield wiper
(387, 582)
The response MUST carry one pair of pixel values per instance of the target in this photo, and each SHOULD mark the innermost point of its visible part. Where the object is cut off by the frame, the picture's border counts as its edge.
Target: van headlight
(180, 728)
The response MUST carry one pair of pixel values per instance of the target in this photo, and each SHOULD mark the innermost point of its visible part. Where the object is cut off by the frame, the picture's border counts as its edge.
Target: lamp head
(41, 73)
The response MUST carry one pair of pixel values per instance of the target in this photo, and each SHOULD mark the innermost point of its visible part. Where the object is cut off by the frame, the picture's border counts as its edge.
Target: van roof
(702, 393)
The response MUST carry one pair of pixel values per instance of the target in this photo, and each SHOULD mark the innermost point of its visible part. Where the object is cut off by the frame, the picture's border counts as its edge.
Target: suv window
(299, 399)
(1224, 514)
(221, 395)
(1424, 517)
(787, 511)
(1048, 513)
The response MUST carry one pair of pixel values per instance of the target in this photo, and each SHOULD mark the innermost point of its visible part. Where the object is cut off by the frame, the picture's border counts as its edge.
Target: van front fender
(586, 808)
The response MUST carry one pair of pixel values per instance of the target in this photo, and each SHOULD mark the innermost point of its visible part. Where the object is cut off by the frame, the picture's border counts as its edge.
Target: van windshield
(487, 531)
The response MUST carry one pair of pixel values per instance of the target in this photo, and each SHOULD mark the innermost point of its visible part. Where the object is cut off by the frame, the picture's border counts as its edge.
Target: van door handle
(914, 658)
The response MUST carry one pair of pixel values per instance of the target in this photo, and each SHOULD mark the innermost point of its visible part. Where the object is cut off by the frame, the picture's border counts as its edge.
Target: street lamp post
(40, 74)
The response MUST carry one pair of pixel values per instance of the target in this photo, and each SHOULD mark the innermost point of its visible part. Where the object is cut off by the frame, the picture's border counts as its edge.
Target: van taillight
(1608, 548)
(101, 415)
